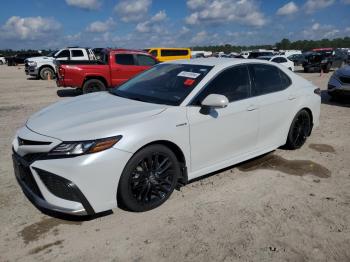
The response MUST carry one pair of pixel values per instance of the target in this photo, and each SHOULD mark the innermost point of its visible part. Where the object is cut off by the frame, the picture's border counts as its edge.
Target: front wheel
(47, 73)
(148, 179)
(299, 130)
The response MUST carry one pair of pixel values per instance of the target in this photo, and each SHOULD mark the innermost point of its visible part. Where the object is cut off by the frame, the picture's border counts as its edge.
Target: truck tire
(93, 85)
(46, 72)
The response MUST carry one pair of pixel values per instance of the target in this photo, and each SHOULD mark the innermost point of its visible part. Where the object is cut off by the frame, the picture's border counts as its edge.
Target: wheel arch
(178, 153)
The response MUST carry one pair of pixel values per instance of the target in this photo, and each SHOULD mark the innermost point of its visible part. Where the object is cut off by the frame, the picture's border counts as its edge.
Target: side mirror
(215, 101)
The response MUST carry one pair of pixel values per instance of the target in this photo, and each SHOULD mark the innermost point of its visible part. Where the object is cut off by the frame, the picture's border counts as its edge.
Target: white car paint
(2, 60)
(282, 60)
(242, 130)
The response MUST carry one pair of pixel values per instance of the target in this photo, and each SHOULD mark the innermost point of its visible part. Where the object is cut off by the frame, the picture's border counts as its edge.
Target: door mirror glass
(215, 101)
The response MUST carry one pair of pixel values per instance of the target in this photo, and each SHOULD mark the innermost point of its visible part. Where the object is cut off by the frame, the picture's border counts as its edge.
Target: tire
(327, 68)
(93, 85)
(148, 179)
(1, 63)
(45, 72)
(299, 130)
(306, 70)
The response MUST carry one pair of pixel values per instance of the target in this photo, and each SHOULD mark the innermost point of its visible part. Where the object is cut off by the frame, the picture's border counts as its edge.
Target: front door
(220, 135)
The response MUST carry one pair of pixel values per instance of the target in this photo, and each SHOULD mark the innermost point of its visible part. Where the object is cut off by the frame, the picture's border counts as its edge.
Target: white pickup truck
(44, 66)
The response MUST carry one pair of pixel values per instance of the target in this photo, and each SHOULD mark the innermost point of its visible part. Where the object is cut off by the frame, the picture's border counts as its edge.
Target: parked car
(169, 54)
(115, 67)
(288, 53)
(339, 83)
(256, 54)
(280, 60)
(2, 60)
(20, 58)
(245, 54)
(297, 59)
(173, 123)
(325, 61)
(44, 66)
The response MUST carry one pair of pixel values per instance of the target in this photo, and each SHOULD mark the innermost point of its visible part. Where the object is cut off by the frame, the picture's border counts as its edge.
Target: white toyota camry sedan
(175, 122)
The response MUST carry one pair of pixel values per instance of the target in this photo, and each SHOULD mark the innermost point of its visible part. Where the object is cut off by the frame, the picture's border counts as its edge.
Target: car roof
(218, 62)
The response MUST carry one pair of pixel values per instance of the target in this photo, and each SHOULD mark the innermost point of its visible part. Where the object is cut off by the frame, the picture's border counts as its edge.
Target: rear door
(123, 67)
(272, 87)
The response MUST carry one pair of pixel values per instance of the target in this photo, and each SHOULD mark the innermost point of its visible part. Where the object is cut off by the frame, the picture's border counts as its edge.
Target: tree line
(284, 44)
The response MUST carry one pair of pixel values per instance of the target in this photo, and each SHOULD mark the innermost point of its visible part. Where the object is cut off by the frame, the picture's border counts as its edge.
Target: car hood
(90, 116)
(40, 59)
(345, 71)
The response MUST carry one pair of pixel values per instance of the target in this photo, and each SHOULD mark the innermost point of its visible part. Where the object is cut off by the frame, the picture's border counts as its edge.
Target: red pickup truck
(114, 68)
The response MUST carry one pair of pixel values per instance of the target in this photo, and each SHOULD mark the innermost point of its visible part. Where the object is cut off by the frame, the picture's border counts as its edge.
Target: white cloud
(314, 5)
(29, 28)
(85, 4)
(152, 25)
(288, 9)
(319, 31)
(223, 11)
(101, 26)
(132, 10)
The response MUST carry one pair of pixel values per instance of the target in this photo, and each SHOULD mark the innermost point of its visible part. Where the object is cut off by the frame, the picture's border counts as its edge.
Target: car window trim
(193, 100)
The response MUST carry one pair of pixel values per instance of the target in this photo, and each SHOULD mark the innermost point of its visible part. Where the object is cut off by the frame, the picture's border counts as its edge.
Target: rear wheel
(299, 130)
(47, 73)
(148, 179)
(93, 85)
(1, 63)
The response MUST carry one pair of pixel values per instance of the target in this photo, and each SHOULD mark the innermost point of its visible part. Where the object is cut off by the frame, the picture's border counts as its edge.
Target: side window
(64, 53)
(268, 79)
(283, 60)
(174, 52)
(276, 60)
(145, 60)
(154, 53)
(124, 59)
(77, 53)
(233, 83)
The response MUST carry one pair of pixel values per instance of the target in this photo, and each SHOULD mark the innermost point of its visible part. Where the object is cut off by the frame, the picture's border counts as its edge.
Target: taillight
(61, 72)
(317, 91)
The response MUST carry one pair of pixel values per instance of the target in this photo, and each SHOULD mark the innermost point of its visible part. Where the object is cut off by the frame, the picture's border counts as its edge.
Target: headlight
(31, 63)
(84, 147)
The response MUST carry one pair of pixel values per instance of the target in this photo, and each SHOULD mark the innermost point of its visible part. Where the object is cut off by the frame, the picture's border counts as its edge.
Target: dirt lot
(286, 206)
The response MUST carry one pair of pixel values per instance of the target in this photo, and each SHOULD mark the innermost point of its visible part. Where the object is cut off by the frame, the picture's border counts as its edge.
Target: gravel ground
(285, 206)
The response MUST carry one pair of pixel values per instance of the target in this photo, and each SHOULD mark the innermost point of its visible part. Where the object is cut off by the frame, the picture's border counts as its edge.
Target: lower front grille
(25, 176)
(58, 186)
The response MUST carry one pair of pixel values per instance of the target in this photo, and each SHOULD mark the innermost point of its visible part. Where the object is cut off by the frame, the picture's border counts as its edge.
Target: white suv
(44, 66)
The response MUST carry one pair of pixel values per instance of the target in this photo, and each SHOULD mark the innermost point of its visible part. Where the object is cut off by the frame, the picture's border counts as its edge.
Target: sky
(51, 24)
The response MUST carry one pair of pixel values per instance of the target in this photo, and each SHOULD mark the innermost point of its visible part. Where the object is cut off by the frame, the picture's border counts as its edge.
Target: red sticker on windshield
(189, 82)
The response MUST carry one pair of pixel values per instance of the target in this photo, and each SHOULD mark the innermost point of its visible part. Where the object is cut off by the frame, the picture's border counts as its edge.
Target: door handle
(252, 108)
(291, 97)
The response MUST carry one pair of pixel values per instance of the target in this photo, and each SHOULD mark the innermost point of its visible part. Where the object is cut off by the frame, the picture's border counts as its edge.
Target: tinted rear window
(174, 52)
(268, 79)
(124, 59)
(76, 53)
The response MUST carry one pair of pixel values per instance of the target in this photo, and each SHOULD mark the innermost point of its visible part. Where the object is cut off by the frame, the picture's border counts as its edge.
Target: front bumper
(31, 70)
(81, 185)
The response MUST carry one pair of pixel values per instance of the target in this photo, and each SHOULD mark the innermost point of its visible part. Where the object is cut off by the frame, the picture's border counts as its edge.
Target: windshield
(51, 54)
(166, 84)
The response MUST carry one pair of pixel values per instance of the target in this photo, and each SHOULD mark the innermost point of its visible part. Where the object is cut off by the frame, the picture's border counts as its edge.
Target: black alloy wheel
(149, 178)
(299, 130)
